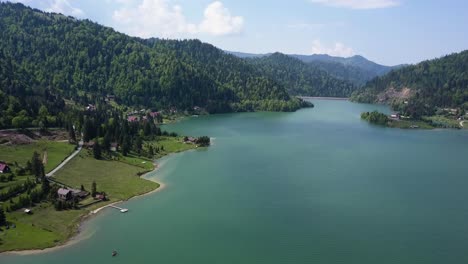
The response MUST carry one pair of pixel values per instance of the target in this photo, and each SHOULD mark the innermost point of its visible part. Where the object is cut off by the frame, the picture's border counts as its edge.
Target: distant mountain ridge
(301, 78)
(356, 69)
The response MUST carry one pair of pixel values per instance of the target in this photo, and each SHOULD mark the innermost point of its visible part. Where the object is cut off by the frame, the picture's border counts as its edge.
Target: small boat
(114, 253)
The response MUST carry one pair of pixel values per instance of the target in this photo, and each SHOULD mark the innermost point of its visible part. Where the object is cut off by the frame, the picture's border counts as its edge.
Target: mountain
(49, 59)
(441, 82)
(354, 61)
(246, 55)
(301, 78)
(356, 69)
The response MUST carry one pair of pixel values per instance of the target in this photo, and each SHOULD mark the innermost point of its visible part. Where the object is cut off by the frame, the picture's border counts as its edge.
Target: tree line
(51, 63)
(435, 83)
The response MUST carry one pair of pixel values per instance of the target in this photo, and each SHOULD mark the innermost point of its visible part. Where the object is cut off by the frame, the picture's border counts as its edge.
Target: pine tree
(2, 217)
(71, 133)
(37, 167)
(45, 186)
(94, 189)
(97, 151)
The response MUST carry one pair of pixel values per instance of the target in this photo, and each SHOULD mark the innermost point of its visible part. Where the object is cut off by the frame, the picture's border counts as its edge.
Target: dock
(122, 210)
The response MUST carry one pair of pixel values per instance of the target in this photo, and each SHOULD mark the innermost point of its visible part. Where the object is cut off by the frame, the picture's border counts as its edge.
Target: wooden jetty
(122, 210)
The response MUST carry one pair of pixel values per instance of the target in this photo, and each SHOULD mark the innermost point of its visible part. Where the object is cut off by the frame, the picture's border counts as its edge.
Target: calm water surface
(315, 186)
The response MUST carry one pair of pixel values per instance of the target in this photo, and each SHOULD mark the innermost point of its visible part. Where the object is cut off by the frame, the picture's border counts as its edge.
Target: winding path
(80, 146)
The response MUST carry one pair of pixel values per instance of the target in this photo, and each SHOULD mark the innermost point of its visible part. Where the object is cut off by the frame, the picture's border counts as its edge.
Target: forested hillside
(49, 59)
(300, 78)
(441, 82)
(356, 69)
(353, 74)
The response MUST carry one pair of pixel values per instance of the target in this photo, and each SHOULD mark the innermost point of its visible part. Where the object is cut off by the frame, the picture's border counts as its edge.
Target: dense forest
(300, 78)
(356, 69)
(51, 61)
(435, 83)
(353, 74)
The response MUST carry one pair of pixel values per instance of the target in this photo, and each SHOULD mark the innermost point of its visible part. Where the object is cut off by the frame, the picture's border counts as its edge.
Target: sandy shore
(80, 235)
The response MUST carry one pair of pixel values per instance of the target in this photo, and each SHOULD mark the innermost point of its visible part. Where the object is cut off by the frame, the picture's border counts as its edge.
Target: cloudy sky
(386, 31)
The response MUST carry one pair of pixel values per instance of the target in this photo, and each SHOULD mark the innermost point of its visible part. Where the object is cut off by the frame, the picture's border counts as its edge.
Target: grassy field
(56, 153)
(443, 121)
(44, 228)
(118, 177)
(171, 145)
(119, 180)
(405, 124)
(47, 227)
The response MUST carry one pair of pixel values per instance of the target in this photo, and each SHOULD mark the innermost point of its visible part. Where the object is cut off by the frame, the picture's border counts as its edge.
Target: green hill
(434, 83)
(301, 78)
(51, 60)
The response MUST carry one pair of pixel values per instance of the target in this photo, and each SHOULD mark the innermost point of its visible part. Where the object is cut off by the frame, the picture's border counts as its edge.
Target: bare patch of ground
(391, 94)
(15, 137)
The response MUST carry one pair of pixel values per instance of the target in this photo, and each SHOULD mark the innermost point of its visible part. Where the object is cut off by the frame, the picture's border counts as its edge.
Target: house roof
(3, 166)
(132, 118)
(154, 114)
(63, 191)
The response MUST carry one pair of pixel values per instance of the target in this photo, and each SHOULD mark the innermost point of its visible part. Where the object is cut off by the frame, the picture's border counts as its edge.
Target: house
(100, 196)
(27, 211)
(79, 193)
(395, 116)
(89, 145)
(114, 147)
(4, 168)
(133, 118)
(91, 107)
(64, 194)
(190, 140)
(154, 114)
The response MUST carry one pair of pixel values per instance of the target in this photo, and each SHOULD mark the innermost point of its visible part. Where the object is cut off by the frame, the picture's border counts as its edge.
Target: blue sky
(389, 32)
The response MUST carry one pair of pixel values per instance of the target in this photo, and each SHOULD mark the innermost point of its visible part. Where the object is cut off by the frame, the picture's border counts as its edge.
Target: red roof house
(4, 168)
(132, 119)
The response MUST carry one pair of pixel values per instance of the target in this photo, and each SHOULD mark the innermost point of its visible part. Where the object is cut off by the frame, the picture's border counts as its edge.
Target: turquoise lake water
(315, 186)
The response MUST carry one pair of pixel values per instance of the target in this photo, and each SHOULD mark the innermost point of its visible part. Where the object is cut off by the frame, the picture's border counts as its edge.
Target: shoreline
(76, 238)
(324, 98)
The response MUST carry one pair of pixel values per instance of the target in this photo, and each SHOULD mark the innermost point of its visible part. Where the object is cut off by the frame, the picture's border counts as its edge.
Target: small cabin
(4, 168)
(133, 119)
(90, 144)
(100, 196)
(114, 147)
(64, 194)
(79, 193)
(91, 107)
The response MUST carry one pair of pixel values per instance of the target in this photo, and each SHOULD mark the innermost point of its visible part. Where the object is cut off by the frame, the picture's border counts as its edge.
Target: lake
(315, 186)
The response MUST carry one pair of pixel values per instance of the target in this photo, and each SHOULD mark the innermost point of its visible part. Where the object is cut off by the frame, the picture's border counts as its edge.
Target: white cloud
(219, 21)
(338, 49)
(359, 4)
(157, 18)
(56, 6)
(64, 7)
